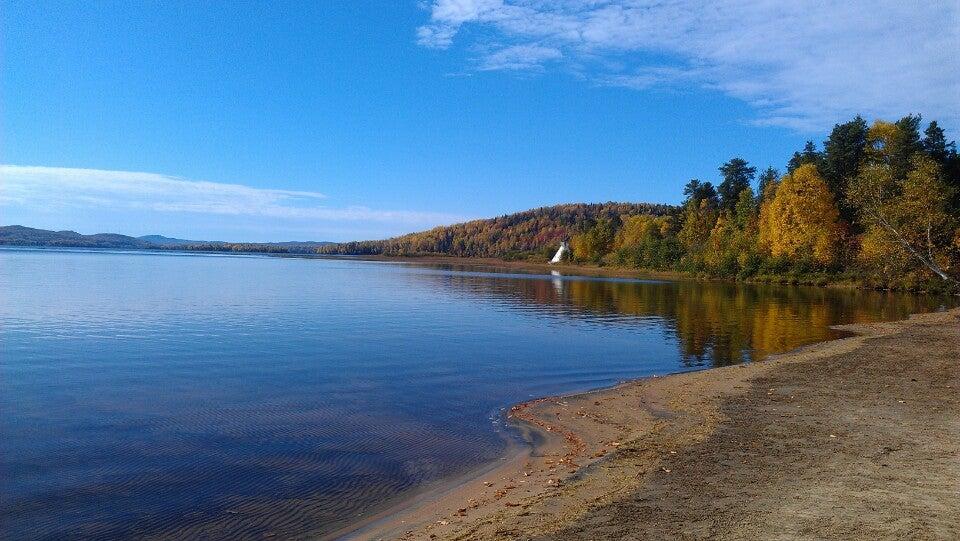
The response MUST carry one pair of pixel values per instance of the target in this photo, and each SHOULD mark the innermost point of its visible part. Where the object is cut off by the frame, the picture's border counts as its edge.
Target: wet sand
(857, 438)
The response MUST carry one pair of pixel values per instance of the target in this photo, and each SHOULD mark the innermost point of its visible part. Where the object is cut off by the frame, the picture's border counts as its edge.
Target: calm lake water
(176, 395)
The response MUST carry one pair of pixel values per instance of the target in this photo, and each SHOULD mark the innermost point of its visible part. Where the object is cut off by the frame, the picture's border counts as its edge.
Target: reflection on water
(714, 323)
(237, 397)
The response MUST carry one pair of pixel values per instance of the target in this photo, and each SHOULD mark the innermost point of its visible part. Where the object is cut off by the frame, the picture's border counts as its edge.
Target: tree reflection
(714, 323)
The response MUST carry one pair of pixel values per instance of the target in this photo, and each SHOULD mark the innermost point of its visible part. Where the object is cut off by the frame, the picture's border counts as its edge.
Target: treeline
(878, 204)
(534, 233)
(874, 204)
(245, 247)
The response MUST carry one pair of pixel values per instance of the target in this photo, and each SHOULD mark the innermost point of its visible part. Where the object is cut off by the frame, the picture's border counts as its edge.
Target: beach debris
(833, 435)
(462, 512)
(487, 484)
(673, 452)
(666, 470)
(443, 522)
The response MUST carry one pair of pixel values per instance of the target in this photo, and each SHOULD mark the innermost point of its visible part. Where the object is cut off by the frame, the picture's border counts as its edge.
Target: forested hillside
(533, 232)
(876, 204)
(18, 235)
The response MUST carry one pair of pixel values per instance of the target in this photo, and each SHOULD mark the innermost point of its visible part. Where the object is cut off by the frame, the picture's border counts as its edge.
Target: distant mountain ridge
(170, 241)
(537, 230)
(18, 235)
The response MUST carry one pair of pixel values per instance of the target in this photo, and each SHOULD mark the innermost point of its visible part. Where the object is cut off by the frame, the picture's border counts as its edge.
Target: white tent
(562, 251)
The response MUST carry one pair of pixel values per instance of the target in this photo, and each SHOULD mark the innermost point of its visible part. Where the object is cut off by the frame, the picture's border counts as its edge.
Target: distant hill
(532, 231)
(160, 240)
(18, 235)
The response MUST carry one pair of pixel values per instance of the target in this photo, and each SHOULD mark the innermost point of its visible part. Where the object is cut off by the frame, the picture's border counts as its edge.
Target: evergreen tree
(697, 191)
(905, 145)
(767, 179)
(737, 175)
(842, 154)
(810, 155)
(935, 145)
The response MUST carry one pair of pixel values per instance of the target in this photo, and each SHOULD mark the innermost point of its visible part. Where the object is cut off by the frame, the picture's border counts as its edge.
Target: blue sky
(352, 120)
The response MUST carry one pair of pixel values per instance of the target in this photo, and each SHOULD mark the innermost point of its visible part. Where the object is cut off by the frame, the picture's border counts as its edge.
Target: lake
(181, 395)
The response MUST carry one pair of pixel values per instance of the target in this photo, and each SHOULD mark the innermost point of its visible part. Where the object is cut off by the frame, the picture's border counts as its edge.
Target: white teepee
(562, 251)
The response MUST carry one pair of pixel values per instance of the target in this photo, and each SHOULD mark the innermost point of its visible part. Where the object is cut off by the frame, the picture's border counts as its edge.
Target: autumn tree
(731, 248)
(768, 179)
(646, 241)
(907, 218)
(801, 222)
(592, 244)
(698, 219)
(893, 144)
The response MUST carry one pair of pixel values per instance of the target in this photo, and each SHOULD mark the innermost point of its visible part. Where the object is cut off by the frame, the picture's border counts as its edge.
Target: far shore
(855, 438)
(586, 270)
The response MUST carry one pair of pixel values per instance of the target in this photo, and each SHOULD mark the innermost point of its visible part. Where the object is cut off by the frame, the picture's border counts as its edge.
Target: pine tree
(843, 152)
(697, 191)
(809, 155)
(737, 175)
(768, 179)
(935, 145)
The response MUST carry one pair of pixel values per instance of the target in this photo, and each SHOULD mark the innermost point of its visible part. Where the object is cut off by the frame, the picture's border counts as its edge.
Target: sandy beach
(856, 438)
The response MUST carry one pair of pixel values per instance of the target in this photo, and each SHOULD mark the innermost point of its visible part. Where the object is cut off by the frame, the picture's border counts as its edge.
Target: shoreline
(588, 271)
(594, 449)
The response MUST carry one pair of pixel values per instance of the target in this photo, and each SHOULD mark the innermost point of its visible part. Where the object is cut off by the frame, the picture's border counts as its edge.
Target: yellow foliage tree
(906, 220)
(635, 229)
(698, 222)
(802, 221)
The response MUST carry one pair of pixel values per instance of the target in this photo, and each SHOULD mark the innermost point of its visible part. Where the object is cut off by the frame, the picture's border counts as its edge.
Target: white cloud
(519, 57)
(801, 64)
(50, 188)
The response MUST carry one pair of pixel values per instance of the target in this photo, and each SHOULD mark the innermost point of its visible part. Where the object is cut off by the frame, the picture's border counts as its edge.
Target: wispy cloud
(800, 64)
(59, 187)
(520, 57)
